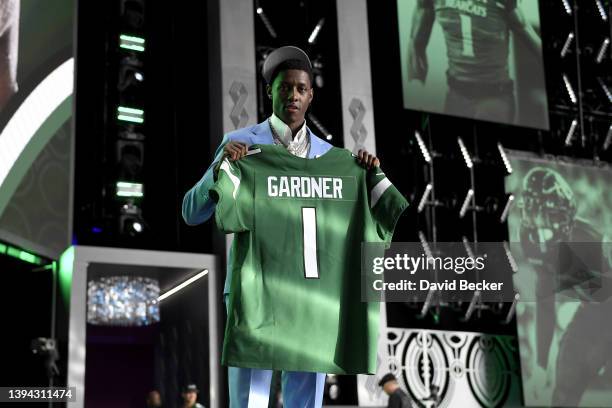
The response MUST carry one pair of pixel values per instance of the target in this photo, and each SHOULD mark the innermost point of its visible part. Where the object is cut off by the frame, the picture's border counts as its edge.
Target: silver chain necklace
(297, 149)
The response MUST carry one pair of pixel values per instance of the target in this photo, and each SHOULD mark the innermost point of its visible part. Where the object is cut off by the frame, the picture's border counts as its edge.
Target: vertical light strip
(510, 258)
(315, 33)
(604, 87)
(570, 132)
(570, 89)
(320, 126)
(468, 248)
(507, 207)
(422, 147)
(466, 203)
(66, 268)
(566, 46)
(608, 140)
(602, 50)
(266, 21)
(566, 5)
(602, 10)
(502, 153)
(465, 153)
(425, 197)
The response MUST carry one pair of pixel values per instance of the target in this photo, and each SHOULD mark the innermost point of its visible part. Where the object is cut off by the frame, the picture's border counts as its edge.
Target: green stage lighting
(129, 42)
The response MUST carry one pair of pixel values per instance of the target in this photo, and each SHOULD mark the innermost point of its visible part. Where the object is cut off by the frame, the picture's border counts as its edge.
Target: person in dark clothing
(154, 399)
(397, 397)
(190, 397)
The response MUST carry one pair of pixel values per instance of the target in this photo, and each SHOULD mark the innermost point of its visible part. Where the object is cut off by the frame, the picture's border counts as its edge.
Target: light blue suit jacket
(197, 205)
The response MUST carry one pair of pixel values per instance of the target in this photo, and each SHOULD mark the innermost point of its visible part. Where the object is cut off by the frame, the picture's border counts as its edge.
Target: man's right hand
(234, 150)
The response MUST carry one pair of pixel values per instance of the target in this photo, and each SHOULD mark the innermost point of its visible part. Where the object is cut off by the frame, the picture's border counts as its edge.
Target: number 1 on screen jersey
(466, 35)
(309, 240)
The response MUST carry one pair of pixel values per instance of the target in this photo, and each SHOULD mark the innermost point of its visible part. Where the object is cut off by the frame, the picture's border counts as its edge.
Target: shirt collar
(284, 132)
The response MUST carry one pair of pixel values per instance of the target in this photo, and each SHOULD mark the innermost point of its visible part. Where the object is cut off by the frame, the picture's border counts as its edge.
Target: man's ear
(269, 91)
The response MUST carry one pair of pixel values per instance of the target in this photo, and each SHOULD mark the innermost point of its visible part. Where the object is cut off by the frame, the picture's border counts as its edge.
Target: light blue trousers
(250, 387)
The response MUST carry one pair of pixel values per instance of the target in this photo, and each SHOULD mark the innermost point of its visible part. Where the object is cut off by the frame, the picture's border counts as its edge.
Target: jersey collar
(263, 135)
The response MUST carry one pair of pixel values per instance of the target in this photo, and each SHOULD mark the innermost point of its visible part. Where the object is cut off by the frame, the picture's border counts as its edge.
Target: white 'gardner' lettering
(326, 187)
(295, 187)
(272, 187)
(284, 187)
(306, 186)
(316, 187)
(337, 188)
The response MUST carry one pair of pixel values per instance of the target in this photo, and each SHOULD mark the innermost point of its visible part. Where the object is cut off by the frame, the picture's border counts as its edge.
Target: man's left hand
(367, 160)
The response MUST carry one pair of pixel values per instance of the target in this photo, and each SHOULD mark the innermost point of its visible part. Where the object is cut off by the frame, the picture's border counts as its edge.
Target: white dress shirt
(298, 145)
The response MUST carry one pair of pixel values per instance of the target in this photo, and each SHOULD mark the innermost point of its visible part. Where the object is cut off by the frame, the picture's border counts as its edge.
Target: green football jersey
(477, 37)
(295, 299)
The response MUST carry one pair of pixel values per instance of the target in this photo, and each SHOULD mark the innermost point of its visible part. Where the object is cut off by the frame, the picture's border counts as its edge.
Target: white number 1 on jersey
(309, 228)
(466, 34)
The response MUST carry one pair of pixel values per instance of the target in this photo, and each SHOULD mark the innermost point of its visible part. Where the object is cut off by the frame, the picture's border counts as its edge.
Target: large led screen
(560, 234)
(478, 59)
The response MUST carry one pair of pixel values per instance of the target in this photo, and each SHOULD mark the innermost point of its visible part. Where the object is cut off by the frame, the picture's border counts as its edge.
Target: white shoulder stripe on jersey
(225, 166)
(378, 190)
(254, 151)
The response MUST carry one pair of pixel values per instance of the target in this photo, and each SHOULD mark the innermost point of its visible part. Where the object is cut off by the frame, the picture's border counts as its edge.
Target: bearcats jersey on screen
(477, 38)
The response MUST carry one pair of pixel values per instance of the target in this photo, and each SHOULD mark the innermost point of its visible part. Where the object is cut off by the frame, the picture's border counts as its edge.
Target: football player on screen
(477, 35)
(571, 259)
